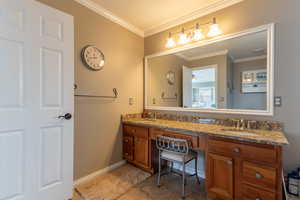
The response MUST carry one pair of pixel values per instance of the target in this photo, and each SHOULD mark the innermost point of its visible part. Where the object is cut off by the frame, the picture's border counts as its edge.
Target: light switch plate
(131, 101)
(278, 101)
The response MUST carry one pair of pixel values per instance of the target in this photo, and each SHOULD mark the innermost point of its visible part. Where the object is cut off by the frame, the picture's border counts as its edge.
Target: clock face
(170, 77)
(93, 58)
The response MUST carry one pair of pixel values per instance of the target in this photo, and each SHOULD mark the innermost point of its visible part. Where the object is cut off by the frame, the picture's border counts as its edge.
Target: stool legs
(183, 181)
(159, 170)
(196, 169)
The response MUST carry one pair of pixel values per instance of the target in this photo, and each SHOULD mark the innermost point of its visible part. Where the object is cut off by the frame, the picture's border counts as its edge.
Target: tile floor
(130, 183)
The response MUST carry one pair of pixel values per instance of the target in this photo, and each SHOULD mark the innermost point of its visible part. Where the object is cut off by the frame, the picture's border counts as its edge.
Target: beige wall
(158, 68)
(221, 62)
(252, 13)
(97, 121)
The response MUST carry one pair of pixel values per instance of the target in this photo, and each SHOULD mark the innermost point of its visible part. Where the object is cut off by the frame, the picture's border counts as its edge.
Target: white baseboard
(99, 172)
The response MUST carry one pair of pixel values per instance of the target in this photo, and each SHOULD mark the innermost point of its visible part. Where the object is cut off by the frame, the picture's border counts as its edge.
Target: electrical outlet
(278, 101)
(153, 101)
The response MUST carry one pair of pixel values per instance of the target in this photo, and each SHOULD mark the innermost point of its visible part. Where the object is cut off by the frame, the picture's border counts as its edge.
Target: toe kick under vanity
(240, 164)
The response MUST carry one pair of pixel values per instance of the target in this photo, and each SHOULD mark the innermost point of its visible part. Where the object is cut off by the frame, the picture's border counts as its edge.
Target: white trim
(163, 26)
(270, 28)
(250, 59)
(109, 15)
(218, 53)
(189, 17)
(99, 172)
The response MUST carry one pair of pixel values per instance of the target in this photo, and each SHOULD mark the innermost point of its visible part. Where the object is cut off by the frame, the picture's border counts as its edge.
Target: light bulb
(183, 38)
(214, 29)
(198, 35)
(170, 42)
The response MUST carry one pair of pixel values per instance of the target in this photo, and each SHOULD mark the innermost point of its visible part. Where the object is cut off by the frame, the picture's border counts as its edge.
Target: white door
(187, 77)
(36, 74)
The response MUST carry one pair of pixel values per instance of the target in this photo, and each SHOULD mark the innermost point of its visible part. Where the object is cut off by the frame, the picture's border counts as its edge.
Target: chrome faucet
(243, 124)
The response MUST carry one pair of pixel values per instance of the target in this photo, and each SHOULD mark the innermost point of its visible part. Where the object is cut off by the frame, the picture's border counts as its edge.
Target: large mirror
(230, 74)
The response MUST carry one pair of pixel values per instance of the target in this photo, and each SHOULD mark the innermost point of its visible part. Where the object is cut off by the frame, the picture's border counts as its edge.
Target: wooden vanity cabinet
(136, 145)
(242, 170)
(235, 170)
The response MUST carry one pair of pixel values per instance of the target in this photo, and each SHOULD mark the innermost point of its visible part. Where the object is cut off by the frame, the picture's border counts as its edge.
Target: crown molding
(189, 17)
(163, 26)
(109, 15)
(250, 59)
(218, 53)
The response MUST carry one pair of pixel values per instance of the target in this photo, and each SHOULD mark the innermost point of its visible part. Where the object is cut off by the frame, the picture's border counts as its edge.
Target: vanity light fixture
(198, 35)
(170, 42)
(194, 33)
(183, 37)
(214, 29)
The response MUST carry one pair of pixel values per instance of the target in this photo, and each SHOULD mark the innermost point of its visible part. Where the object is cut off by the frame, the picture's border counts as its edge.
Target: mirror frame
(270, 28)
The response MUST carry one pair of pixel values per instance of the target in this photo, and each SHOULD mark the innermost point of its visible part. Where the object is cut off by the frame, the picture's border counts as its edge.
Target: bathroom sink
(242, 132)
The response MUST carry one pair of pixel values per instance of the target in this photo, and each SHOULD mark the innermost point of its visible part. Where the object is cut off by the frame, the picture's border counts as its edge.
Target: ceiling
(244, 47)
(147, 17)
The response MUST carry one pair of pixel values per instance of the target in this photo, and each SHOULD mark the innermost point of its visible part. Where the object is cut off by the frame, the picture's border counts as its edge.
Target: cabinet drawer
(260, 176)
(154, 132)
(227, 148)
(251, 193)
(258, 152)
(193, 140)
(141, 132)
(128, 148)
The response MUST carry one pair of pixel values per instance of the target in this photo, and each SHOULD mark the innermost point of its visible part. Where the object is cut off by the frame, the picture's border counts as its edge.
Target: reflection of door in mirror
(200, 87)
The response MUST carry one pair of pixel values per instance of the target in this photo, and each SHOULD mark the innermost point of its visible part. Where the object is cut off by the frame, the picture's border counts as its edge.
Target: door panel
(220, 175)
(187, 86)
(37, 69)
(51, 78)
(53, 58)
(11, 73)
(141, 151)
(16, 156)
(51, 156)
(11, 169)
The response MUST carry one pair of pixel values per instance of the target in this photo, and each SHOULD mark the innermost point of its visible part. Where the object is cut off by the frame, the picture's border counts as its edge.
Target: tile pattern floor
(129, 183)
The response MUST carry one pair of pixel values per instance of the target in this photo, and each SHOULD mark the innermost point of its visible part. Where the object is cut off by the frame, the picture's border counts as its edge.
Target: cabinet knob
(133, 130)
(229, 162)
(237, 150)
(258, 175)
(126, 154)
(126, 141)
(257, 198)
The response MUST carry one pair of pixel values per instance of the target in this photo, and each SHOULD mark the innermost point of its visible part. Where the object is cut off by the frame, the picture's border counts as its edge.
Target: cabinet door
(219, 171)
(141, 151)
(128, 148)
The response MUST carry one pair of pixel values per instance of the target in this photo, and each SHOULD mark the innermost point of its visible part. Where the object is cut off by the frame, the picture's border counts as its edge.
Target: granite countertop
(257, 136)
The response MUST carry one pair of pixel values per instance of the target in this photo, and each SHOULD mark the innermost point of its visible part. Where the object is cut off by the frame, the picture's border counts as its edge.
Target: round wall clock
(92, 57)
(170, 77)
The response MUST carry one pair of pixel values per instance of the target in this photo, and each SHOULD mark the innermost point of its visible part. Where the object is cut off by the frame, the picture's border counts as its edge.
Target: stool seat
(171, 156)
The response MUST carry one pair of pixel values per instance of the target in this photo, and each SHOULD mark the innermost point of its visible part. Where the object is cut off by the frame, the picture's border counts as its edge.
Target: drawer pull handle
(126, 141)
(237, 150)
(258, 176)
(257, 198)
(229, 162)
